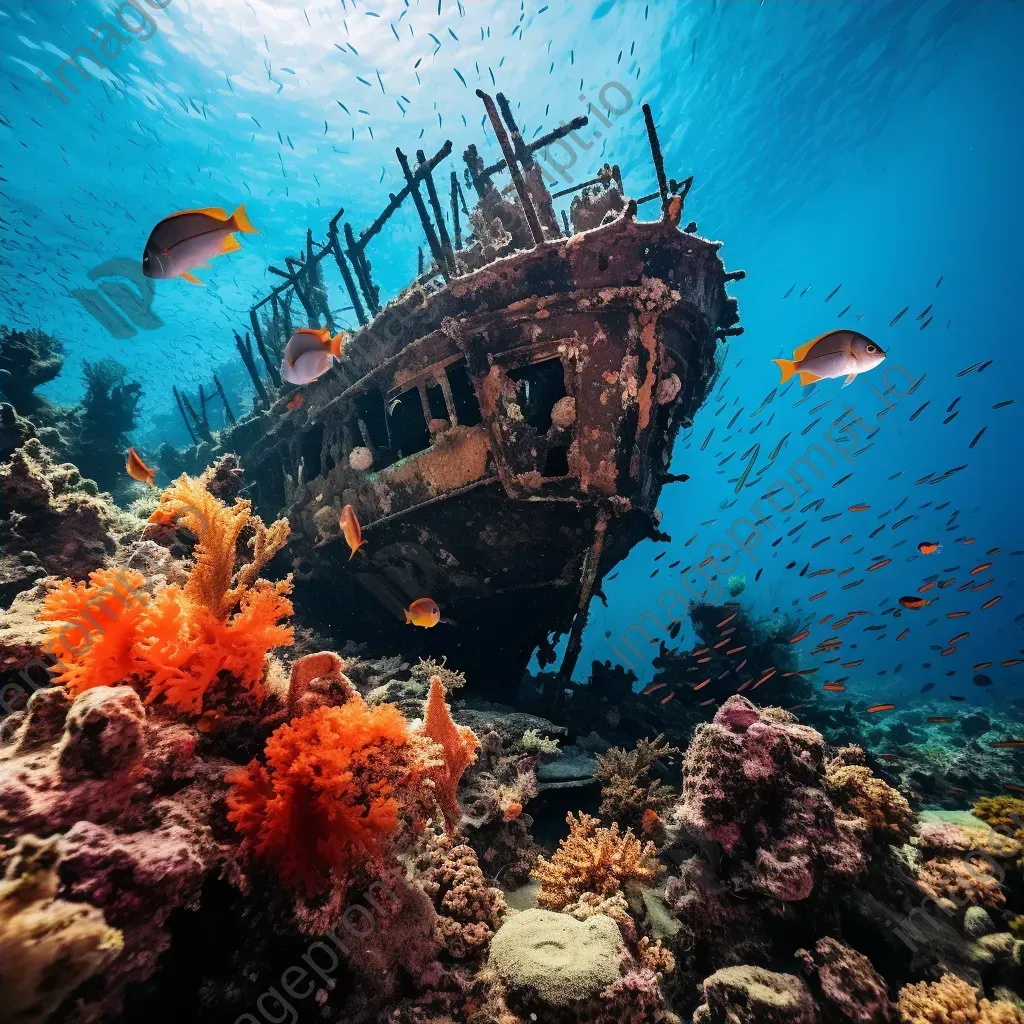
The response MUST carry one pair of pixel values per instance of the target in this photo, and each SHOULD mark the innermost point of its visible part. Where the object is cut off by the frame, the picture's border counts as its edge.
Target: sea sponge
(177, 641)
(950, 1000)
(753, 995)
(555, 957)
(459, 744)
(48, 946)
(858, 792)
(595, 860)
(329, 794)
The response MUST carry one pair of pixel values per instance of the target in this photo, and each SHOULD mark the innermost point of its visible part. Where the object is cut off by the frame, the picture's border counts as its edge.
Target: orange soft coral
(459, 744)
(331, 791)
(179, 641)
(592, 859)
(94, 628)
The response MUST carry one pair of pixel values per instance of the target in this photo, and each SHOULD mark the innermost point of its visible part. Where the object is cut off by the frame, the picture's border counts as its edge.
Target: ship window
(557, 461)
(312, 444)
(435, 399)
(467, 408)
(540, 386)
(409, 432)
(370, 410)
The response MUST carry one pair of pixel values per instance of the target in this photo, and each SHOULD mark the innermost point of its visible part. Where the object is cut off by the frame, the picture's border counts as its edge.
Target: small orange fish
(650, 820)
(1010, 662)
(927, 586)
(814, 597)
(833, 687)
(947, 652)
(859, 508)
(956, 615)
(959, 637)
(914, 602)
(665, 700)
(424, 612)
(941, 718)
(137, 469)
(981, 568)
(1006, 744)
(725, 622)
(991, 601)
(928, 547)
(349, 523)
(875, 708)
(210, 721)
(675, 209)
(903, 635)
(702, 684)
(878, 565)
(1013, 787)
(705, 703)
(651, 689)
(981, 665)
(800, 636)
(295, 402)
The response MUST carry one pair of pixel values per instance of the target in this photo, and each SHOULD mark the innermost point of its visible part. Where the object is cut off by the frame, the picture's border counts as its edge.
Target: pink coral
(754, 784)
(846, 984)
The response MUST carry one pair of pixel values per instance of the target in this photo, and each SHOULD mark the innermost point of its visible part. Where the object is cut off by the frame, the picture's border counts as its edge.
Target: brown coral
(469, 911)
(964, 881)
(628, 794)
(858, 792)
(595, 860)
(951, 1000)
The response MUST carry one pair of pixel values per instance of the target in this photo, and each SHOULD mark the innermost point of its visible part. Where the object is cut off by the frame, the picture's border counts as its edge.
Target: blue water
(876, 145)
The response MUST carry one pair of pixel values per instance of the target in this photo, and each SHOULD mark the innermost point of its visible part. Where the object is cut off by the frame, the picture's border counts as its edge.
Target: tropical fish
(295, 402)
(833, 354)
(929, 547)
(137, 469)
(914, 602)
(875, 708)
(352, 531)
(941, 718)
(1006, 744)
(186, 240)
(210, 721)
(309, 354)
(423, 612)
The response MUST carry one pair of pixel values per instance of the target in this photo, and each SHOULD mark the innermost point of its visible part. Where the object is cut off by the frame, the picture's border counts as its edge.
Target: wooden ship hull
(503, 436)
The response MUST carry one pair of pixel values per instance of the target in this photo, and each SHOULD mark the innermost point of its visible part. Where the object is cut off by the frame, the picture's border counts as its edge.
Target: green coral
(532, 742)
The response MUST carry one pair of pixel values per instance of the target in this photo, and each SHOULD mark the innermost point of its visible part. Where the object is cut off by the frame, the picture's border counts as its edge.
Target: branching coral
(965, 881)
(628, 792)
(330, 792)
(179, 641)
(950, 1000)
(1004, 813)
(595, 860)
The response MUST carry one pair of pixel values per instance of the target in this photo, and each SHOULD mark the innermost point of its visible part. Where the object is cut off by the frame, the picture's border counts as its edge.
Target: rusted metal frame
(224, 398)
(355, 255)
(311, 262)
(421, 390)
(184, 415)
(590, 563)
(449, 398)
(525, 199)
(346, 276)
(482, 482)
(440, 257)
(674, 187)
(300, 272)
(523, 153)
(272, 370)
(245, 351)
(545, 140)
(455, 211)
(435, 206)
(659, 162)
(204, 430)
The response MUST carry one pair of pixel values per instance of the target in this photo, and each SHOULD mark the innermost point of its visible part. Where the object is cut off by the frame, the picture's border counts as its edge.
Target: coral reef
(847, 988)
(752, 995)
(458, 743)
(592, 859)
(28, 359)
(628, 793)
(858, 793)
(951, 1000)
(178, 640)
(40, 932)
(52, 521)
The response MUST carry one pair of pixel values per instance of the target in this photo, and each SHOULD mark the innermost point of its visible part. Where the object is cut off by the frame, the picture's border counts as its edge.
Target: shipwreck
(503, 428)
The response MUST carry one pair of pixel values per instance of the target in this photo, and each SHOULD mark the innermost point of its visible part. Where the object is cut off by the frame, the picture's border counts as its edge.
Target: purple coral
(848, 988)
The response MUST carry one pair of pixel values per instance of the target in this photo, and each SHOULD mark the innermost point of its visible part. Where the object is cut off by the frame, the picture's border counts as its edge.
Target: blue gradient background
(876, 144)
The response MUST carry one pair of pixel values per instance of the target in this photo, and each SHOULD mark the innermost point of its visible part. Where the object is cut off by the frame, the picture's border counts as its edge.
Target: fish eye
(871, 348)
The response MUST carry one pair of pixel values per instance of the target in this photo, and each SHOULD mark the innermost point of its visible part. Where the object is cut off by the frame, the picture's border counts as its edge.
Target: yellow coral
(1005, 813)
(860, 793)
(962, 880)
(178, 641)
(595, 860)
(952, 1001)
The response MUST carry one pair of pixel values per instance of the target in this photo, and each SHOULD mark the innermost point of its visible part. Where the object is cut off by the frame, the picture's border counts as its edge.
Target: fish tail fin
(337, 344)
(788, 368)
(241, 221)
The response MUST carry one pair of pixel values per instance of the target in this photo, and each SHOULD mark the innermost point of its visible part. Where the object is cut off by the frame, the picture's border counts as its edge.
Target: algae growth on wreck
(509, 512)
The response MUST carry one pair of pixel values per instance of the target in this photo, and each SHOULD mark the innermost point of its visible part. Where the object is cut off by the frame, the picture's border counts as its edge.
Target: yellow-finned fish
(186, 240)
(309, 354)
(831, 355)
(423, 612)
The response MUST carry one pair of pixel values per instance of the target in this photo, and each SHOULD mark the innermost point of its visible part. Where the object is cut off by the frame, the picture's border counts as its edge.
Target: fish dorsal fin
(801, 352)
(230, 244)
(210, 211)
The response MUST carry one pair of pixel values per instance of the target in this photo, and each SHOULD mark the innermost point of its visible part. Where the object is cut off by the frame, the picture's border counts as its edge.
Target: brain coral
(555, 957)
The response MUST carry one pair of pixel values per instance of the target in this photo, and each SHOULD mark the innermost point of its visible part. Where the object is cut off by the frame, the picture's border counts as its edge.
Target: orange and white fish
(309, 354)
(423, 612)
(831, 355)
(186, 240)
(137, 469)
(352, 531)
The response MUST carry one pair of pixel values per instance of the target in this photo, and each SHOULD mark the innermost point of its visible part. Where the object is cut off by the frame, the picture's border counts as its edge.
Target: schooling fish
(831, 355)
(137, 469)
(309, 354)
(186, 240)
(928, 547)
(352, 531)
(423, 612)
